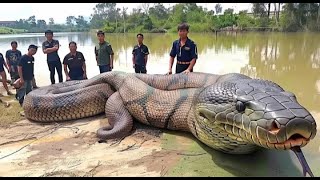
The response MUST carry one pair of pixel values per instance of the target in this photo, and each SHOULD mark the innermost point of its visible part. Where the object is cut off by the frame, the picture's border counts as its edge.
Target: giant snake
(232, 113)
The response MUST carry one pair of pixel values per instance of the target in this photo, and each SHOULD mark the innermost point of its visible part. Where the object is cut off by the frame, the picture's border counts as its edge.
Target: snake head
(234, 115)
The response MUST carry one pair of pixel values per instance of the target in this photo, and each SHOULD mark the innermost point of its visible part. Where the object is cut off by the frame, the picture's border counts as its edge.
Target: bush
(158, 30)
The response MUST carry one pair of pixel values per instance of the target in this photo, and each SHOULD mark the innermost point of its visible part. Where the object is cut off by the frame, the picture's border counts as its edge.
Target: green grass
(9, 114)
(6, 30)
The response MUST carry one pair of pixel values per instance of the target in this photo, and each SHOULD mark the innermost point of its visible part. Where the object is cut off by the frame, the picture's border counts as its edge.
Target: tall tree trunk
(275, 14)
(279, 11)
(269, 10)
(318, 18)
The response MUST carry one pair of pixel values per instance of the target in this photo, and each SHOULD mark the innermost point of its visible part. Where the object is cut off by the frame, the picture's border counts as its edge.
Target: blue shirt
(184, 53)
(139, 53)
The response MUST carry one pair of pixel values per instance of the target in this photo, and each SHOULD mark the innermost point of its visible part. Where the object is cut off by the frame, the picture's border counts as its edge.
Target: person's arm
(96, 53)
(20, 74)
(65, 68)
(194, 56)
(50, 50)
(6, 65)
(7, 59)
(133, 58)
(146, 55)
(111, 56)
(111, 60)
(170, 65)
(173, 54)
(84, 68)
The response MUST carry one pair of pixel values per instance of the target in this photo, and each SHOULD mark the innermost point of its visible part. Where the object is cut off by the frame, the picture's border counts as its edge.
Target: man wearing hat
(51, 47)
(26, 72)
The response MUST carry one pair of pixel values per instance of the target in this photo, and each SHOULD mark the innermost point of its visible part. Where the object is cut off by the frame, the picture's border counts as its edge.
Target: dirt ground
(72, 149)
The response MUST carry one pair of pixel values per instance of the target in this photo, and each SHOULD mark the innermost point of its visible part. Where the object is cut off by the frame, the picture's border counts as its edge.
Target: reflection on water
(292, 60)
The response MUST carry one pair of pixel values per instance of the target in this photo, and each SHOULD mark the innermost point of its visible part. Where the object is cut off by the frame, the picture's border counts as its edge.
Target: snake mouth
(293, 141)
(296, 140)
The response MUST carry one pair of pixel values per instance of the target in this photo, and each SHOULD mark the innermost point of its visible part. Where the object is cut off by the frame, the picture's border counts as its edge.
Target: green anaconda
(232, 113)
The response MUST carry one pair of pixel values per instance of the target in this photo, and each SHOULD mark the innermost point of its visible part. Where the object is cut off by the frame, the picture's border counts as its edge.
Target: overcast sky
(59, 11)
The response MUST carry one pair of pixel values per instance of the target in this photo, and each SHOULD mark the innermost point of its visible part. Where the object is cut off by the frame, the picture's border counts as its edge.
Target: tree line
(155, 17)
(33, 25)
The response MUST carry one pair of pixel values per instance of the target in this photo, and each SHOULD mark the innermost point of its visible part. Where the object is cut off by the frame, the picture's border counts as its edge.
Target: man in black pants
(26, 72)
(140, 56)
(185, 50)
(51, 47)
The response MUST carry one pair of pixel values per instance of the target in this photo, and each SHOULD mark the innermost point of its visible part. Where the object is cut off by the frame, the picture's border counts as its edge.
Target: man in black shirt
(26, 72)
(51, 47)
(12, 56)
(140, 56)
(75, 62)
(185, 50)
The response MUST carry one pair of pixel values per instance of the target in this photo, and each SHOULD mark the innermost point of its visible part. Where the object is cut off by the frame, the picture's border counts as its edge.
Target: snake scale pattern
(232, 113)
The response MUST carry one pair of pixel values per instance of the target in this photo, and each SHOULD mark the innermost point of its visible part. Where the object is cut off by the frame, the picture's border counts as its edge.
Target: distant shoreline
(6, 30)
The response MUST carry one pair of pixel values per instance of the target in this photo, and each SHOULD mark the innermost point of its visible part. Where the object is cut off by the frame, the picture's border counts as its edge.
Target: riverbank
(6, 30)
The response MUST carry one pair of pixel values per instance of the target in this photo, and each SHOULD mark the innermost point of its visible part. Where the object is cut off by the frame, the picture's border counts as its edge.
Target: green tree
(41, 24)
(81, 22)
(32, 21)
(51, 21)
(70, 21)
(228, 11)
(218, 8)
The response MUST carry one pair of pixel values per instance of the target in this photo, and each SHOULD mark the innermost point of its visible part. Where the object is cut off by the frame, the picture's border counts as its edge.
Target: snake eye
(240, 106)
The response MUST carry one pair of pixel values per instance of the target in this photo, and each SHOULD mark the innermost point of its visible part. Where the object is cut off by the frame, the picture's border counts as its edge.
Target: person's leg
(59, 70)
(136, 68)
(52, 71)
(76, 78)
(180, 68)
(21, 93)
(4, 82)
(101, 69)
(34, 84)
(104, 68)
(108, 68)
(28, 86)
(143, 70)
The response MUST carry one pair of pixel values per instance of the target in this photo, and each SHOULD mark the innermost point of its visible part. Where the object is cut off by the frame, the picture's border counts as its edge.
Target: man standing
(12, 56)
(75, 62)
(3, 74)
(140, 56)
(51, 47)
(104, 54)
(26, 72)
(185, 50)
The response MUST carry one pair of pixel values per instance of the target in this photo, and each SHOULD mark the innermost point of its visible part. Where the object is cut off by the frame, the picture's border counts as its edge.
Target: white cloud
(59, 11)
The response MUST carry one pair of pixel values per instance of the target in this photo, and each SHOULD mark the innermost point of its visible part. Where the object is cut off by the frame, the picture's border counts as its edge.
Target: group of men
(21, 67)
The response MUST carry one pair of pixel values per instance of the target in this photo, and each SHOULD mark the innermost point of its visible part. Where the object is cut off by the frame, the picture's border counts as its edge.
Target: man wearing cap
(75, 62)
(104, 54)
(51, 47)
(26, 72)
(185, 50)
